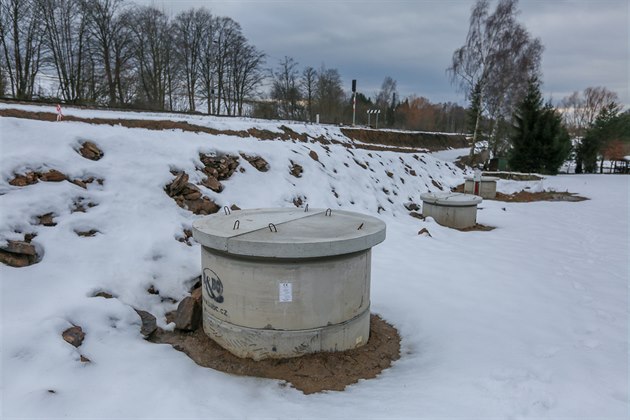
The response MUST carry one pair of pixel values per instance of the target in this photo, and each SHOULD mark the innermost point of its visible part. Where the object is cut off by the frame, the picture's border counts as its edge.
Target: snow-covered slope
(529, 319)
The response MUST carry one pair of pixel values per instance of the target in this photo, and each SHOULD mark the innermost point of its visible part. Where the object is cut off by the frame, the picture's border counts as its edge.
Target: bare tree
(308, 84)
(227, 33)
(285, 88)
(21, 38)
(498, 57)
(385, 96)
(329, 94)
(189, 28)
(108, 33)
(247, 72)
(152, 45)
(66, 42)
(580, 111)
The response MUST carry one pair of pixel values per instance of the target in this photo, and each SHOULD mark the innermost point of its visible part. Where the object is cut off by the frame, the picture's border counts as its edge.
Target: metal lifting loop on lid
(328, 212)
(237, 224)
(360, 226)
(306, 208)
(226, 209)
(271, 225)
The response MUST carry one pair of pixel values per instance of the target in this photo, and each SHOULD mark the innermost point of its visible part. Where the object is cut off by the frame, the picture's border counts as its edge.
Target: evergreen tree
(606, 126)
(540, 142)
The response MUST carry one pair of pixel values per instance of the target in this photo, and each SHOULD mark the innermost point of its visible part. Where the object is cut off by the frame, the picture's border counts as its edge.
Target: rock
(234, 207)
(20, 247)
(103, 295)
(87, 233)
(85, 359)
(188, 316)
(296, 170)
(416, 215)
(424, 232)
(313, 155)
(14, 260)
(212, 183)
(178, 184)
(202, 206)
(257, 162)
(28, 178)
(74, 335)
(19, 253)
(412, 172)
(53, 175)
(196, 294)
(79, 183)
(194, 195)
(389, 174)
(411, 206)
(149, 323)
(90, 151)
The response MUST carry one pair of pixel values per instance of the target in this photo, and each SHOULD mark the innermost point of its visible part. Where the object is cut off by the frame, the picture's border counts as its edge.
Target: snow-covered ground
(527, 320)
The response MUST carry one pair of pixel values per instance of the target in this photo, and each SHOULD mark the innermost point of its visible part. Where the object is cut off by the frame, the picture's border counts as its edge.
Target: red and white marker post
(59, 114)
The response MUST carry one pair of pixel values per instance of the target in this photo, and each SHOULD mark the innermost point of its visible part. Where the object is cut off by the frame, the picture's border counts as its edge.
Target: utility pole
(354, 101)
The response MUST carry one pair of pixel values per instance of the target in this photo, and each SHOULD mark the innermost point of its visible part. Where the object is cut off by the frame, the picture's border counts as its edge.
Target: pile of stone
(90, 151)
(257, 162)
(217, 168)
(188, 196)
(19, 253)
(29, 178)
(52, 175)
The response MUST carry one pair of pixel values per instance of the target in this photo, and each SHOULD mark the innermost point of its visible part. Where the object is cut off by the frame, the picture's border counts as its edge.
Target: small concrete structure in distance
(455, 210)
(486, 187)
(282, 283)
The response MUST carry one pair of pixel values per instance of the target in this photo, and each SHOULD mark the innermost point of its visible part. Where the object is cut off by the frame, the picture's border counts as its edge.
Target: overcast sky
(586, 41)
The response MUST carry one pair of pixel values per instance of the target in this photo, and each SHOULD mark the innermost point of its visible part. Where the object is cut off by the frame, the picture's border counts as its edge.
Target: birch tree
(499, 57)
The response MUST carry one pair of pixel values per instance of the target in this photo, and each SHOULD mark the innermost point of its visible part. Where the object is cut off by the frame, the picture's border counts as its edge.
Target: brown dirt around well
(528, 197)
(310, 373)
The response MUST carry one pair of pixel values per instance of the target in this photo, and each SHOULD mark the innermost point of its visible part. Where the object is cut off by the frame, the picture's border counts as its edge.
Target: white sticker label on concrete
(285, 292)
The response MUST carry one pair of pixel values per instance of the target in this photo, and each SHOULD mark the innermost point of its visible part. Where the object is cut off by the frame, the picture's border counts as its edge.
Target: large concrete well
(455, 210)
(286, 282)
(485, 186)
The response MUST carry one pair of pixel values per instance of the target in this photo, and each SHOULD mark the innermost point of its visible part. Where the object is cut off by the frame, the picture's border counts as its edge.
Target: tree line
(114, 53)
(118, 54)
(302, 94)
(498, 69)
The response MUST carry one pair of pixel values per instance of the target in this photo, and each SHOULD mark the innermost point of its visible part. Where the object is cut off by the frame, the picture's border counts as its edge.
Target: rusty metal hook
(237, 224)
(271, 225)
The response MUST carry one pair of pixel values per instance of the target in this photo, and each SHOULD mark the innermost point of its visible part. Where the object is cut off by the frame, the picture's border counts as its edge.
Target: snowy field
(529, 320)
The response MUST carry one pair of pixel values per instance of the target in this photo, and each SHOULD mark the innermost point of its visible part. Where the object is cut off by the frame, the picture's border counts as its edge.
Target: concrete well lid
(451, 199)
(297, 234)
(483, 178)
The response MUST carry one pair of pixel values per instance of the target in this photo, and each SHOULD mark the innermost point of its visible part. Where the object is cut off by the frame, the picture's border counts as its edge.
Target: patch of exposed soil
(377, 140)
(310, 373)
(516, 176)
(528, 197)
(478, 227)
(416, 140)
